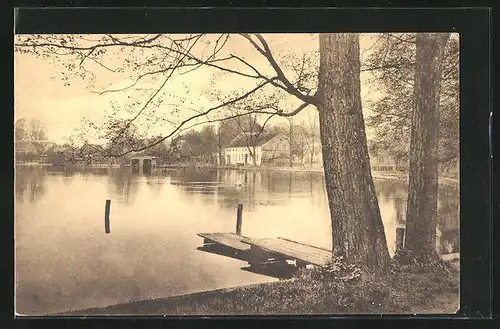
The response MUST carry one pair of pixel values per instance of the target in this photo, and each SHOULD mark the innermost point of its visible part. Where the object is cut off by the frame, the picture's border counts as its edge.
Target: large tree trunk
(357, 230)
(421, 214)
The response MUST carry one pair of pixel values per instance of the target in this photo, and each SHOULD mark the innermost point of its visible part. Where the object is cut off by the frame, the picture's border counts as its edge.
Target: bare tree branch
(156, 93)
(195, 117)
(266, 52)
(411, 39)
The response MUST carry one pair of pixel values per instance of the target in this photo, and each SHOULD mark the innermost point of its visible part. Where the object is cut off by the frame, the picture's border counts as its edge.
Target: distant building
(143, 163)
(268, 149)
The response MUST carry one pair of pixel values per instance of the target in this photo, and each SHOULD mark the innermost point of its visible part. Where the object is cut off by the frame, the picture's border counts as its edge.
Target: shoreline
(385, 175)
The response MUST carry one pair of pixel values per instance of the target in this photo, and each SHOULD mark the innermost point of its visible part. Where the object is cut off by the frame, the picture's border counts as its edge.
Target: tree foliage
(20, 132)
(392, 61)
(32, 130)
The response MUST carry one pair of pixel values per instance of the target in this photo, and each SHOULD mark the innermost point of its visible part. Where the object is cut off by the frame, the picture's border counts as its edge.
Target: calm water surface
(65, 261)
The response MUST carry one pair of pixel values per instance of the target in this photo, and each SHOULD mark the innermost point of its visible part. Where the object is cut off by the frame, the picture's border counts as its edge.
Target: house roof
(242, 141)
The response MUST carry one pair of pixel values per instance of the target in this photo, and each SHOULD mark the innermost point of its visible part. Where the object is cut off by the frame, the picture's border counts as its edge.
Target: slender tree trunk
(357, 230)
(302, 153)
(290, 138)
(220, 162)
(313, 135)
(421, 217)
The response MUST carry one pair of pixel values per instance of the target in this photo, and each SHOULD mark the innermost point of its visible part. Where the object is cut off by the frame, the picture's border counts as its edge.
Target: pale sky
(40, 93)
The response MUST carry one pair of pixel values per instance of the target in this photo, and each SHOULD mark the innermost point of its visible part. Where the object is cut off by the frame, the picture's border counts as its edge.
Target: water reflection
(30, 180)
(65, 260)
(123, 184)
(448, 220)
(448, 236)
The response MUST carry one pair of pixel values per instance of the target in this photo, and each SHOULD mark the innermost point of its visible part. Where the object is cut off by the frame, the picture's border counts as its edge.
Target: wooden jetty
(225, 244)
(230, 240)
(281, 249)
(454, 257)
(273, 251)
(259, 252)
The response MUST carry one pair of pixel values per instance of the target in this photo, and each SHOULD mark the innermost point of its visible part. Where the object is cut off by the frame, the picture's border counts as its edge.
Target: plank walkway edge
(243, 243)
(297, 255)
(231, 240)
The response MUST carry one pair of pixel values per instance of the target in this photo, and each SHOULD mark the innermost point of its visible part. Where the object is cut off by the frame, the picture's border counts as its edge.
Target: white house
(271, 149)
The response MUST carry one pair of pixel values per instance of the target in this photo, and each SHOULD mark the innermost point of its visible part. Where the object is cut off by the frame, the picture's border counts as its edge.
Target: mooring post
(239, 218)
(106, 216)
(400, 238)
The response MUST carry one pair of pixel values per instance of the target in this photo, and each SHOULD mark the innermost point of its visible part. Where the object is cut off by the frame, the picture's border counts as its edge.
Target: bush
(337, 269)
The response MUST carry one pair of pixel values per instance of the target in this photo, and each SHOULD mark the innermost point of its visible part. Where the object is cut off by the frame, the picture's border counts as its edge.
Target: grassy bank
(338, 289)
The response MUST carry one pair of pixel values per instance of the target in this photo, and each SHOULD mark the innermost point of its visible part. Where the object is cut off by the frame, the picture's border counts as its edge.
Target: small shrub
(337, 270)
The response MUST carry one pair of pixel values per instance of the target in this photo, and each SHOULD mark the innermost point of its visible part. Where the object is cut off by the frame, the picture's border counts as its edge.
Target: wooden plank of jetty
(293, 250)
(451, 257)
(231, 240)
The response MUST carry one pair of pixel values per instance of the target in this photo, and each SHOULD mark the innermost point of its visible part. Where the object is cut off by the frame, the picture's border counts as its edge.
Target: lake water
(65, 261)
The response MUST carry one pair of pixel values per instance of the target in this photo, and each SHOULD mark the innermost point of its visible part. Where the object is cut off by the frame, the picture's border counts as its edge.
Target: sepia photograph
(237, 174)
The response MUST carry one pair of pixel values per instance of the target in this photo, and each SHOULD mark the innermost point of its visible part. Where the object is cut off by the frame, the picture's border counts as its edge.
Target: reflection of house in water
(143, 164)
(269, 149)
(239, 178)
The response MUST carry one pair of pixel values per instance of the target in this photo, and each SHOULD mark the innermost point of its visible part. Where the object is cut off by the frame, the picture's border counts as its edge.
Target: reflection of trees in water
(393, 192)
(124, 184)
(72, 169)
(279, 183)
(32, 179)
(449, 219)
(389, 190)
(448, 207)
(155, 182)
(251, 182)
(186, 175)
(449, 240)
(448, 216)
(267, 187)
(237, 187)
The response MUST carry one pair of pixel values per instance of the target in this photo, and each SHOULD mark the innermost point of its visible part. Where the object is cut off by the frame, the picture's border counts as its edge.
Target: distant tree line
(30, 139)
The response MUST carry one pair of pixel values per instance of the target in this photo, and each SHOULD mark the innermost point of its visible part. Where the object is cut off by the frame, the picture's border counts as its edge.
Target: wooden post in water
(239, 218)
(106, 216)
(400, 237)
